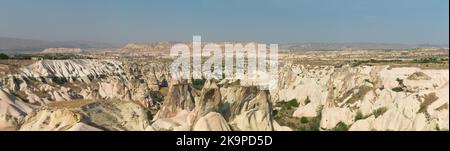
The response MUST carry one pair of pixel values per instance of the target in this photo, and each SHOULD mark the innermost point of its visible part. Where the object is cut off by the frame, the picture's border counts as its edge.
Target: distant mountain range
(13, 45)
(354, 46)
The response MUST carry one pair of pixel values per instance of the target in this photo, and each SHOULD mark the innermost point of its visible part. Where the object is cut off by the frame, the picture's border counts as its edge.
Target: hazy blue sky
(277, 21)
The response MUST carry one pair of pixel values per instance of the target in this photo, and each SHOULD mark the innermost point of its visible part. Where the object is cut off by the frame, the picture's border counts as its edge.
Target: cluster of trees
(53, 56)
(4, 56)
(429, 60)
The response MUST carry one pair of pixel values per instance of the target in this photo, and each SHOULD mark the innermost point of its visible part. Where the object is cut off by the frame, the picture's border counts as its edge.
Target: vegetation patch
(397, 89)
(360, 116)
(380, 111)
(284, 117)
(427, 100)
(4, 56)
(198, 83)
(149, 115)
(291, 104)
(427, 60)
(341, 126)
(356, 63)
(307, 100)
(304, 120)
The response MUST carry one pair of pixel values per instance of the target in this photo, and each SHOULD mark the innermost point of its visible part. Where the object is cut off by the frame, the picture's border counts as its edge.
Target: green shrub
(397, 89)
(314, 123)
(198, 83)
(275, 112)
(304, 120)
(359, 116)
(290, 104)
(341, 126)
(437, 128)
(427, 60)
(400, 81)
(149, 115)
(4, 56)
(156, 96)
(307, 100)
(379, 111)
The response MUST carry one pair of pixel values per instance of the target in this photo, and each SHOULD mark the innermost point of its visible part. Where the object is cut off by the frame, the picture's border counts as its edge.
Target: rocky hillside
(133, 94)
(367, 97)
(62, 50)
(159, 47)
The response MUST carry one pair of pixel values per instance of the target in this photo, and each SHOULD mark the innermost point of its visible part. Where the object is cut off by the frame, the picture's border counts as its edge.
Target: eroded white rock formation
(361, 97)
(407, 98)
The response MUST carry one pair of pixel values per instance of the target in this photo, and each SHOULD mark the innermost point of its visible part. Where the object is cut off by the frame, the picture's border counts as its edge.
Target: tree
(4, 56)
